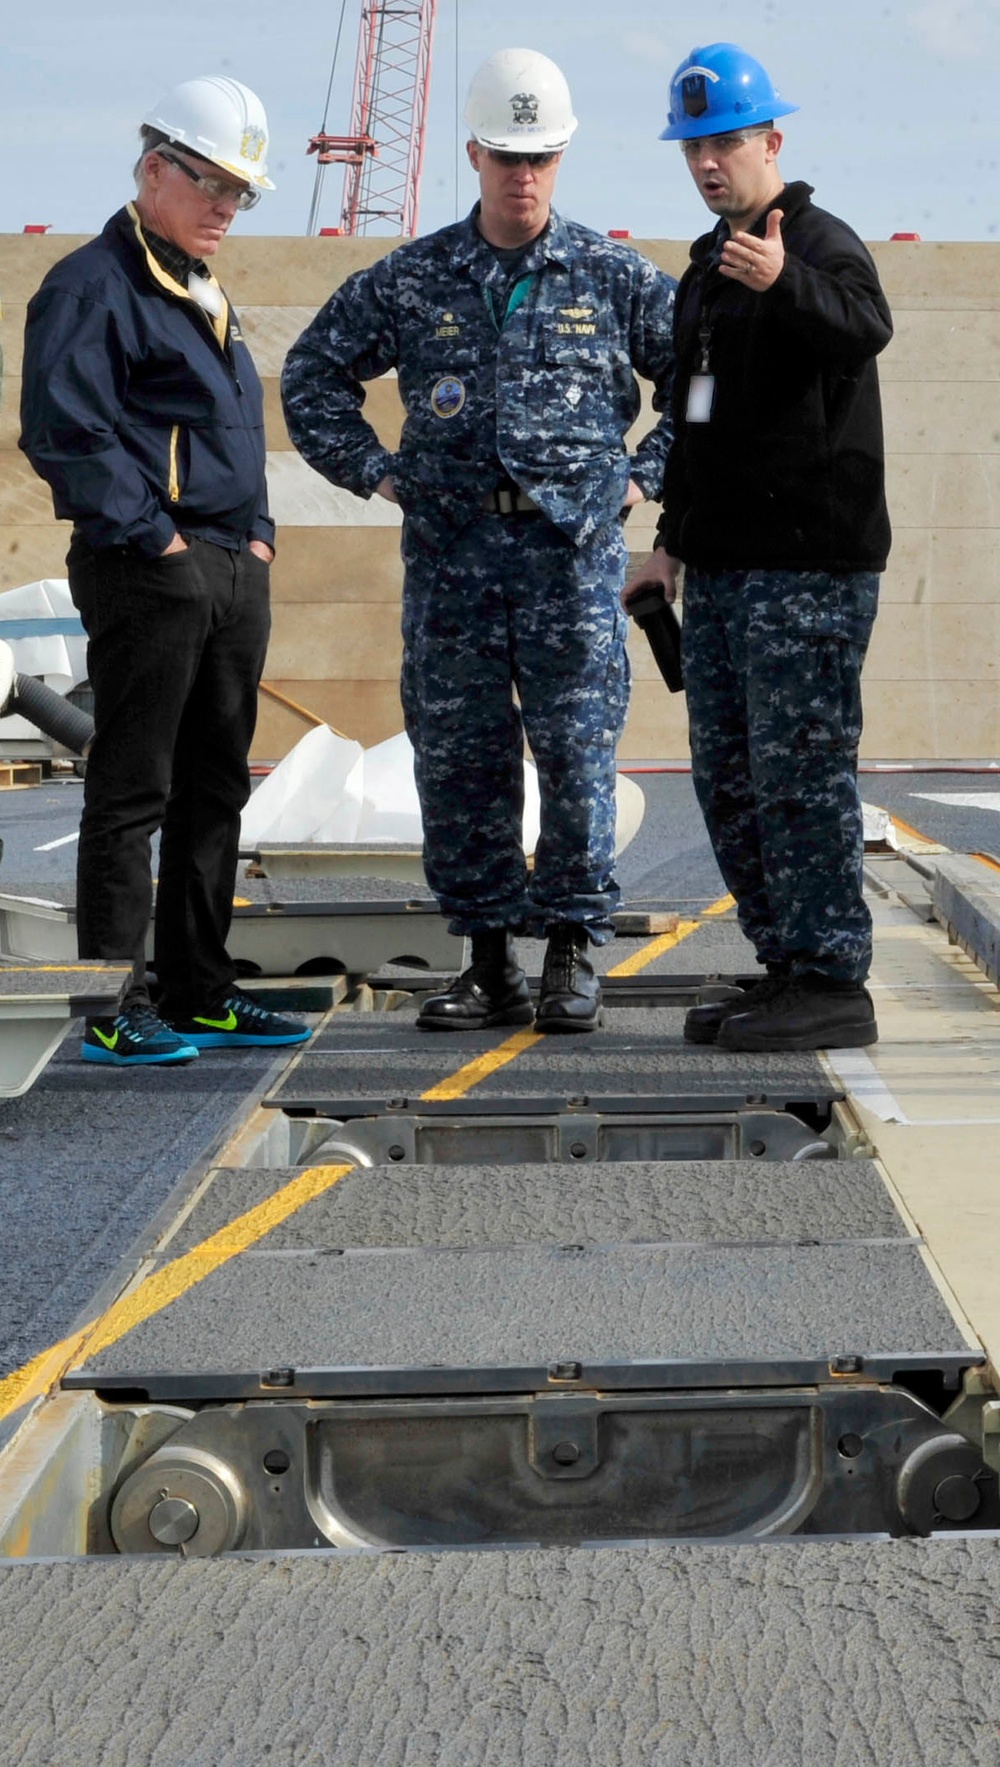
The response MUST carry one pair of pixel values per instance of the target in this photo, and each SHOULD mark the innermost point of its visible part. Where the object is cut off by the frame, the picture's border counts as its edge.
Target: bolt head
(173, 1521)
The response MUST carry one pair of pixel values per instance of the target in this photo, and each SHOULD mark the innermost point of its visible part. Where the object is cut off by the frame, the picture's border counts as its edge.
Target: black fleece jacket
(788, 473)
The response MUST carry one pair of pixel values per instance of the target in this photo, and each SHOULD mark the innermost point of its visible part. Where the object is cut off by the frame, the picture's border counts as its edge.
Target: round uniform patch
(447, 396)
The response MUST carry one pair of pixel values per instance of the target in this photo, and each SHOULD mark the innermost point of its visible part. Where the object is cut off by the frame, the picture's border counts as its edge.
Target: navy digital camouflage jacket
(543, 395)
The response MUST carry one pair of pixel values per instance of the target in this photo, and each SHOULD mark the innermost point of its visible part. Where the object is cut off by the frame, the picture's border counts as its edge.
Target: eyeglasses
(501, 158)
(721, 145)
(211, 188)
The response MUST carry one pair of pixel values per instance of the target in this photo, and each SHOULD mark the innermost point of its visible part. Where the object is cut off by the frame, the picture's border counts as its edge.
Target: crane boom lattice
(388, 118)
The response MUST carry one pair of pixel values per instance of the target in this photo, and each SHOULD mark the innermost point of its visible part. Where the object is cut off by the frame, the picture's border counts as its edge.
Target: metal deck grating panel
(640, 1053)
(528, 1307)
(596, 1205)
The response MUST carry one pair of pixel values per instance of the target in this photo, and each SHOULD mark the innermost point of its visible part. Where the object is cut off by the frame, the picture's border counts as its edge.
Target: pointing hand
(757, 262)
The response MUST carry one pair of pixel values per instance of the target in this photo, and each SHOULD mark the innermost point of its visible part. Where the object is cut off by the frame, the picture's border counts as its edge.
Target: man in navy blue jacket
(142, 409)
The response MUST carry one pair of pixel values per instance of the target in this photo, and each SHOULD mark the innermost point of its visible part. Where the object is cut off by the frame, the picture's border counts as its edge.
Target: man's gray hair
(150, 140)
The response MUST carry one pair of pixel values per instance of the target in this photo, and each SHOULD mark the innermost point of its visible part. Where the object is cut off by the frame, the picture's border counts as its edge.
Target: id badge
(701, 392)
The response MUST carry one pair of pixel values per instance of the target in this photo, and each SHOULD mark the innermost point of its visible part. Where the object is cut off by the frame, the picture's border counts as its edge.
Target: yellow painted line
(648, 954)
(722, 906)
(164, 1286)
(461, 1082)
(457, 1084)
(915, 834)
(34, 1378)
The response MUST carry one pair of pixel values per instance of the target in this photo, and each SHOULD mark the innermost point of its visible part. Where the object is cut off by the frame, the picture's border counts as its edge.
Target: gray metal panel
(86, 1158)
(268, 939)
(713, 1656)
(36, 1006)
(534, 1306)
(966, 897)
(86, 987)
(588, 1204)
(640, 1052)
(717, 948)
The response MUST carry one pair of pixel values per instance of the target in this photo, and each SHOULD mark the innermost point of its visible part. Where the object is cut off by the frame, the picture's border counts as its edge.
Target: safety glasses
(213, 189)
(502, 158)
(720, 145)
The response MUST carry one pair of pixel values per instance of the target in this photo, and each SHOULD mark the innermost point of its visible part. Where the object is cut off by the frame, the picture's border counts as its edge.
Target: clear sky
(899, 127)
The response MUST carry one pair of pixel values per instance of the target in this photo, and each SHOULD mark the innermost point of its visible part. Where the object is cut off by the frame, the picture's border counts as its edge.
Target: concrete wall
(932, 675)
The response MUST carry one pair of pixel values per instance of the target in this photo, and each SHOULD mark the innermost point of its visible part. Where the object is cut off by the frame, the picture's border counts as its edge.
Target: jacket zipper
(174, 484)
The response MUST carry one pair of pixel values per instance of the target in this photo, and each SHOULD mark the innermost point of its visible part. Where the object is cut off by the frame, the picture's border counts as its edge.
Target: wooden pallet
(15, 775)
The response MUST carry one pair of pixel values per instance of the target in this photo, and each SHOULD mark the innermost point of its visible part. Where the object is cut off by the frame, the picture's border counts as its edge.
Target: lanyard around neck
(515, 299)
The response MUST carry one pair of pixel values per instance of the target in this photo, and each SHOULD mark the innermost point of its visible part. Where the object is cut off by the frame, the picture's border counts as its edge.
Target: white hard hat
(519, 99)
(219, 119)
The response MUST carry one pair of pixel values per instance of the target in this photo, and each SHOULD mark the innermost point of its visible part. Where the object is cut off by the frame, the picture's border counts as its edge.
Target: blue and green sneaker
(239, 1023)
(136, 1038)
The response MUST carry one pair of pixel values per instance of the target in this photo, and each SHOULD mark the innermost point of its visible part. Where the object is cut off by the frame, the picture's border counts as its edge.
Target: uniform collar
(173, 259)
(472, 252)
(791, 201)
(132, 227)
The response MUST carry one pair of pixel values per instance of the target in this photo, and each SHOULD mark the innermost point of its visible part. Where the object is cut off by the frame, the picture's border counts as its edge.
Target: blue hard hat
(718, 89)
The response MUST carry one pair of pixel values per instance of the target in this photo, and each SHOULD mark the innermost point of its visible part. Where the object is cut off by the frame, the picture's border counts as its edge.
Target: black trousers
(175, 653)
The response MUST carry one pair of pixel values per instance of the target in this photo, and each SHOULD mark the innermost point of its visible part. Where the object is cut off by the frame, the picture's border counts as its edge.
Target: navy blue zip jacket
(143, 413)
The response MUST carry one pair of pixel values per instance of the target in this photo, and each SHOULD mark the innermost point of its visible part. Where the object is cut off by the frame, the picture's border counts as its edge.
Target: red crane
(383, 154)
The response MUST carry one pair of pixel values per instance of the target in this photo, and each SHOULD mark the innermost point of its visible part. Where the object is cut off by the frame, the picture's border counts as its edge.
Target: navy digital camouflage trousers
(510, 604)
(772, 670)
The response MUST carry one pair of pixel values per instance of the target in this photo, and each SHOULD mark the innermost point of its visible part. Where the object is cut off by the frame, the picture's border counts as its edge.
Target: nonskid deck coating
(86, 987)
(839, 1654)
(862, 1653)
(591, 1203)
(532, 1306)
(640, 1052)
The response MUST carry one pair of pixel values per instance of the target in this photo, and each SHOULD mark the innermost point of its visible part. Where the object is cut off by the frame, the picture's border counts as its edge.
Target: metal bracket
(562, 1436)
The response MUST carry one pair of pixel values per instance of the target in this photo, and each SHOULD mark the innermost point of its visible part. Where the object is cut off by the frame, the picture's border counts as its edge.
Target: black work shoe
(808, 1014)
(136, 1038)
(703, 1023)
(239, 1023)
(570, 998)
(492, 991)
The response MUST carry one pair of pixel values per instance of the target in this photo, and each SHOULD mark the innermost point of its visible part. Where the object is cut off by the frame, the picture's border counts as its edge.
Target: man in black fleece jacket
(774, 503)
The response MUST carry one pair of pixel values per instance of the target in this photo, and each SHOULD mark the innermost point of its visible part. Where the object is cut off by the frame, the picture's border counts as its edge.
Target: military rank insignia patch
(447, 396)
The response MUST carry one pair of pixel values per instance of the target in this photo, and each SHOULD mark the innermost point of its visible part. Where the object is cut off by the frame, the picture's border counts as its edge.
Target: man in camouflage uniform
(774, 502)
(515, 334)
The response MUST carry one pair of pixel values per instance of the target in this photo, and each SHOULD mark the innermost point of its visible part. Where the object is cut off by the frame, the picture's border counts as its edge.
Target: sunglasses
(213, 189)
(502, 158)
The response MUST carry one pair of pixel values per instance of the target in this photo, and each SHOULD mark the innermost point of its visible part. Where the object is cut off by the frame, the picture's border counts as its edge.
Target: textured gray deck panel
(262, 890)
(87, 1157)
(717, 947)
(640, 1051)
(587, 1203)
(843, 1654)
(63, 983)
(537, 1305)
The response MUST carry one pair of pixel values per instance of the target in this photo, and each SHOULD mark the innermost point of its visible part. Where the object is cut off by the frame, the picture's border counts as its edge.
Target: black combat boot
(492, 991)
(703, 1023)
(811, 1012)
(570, 998)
